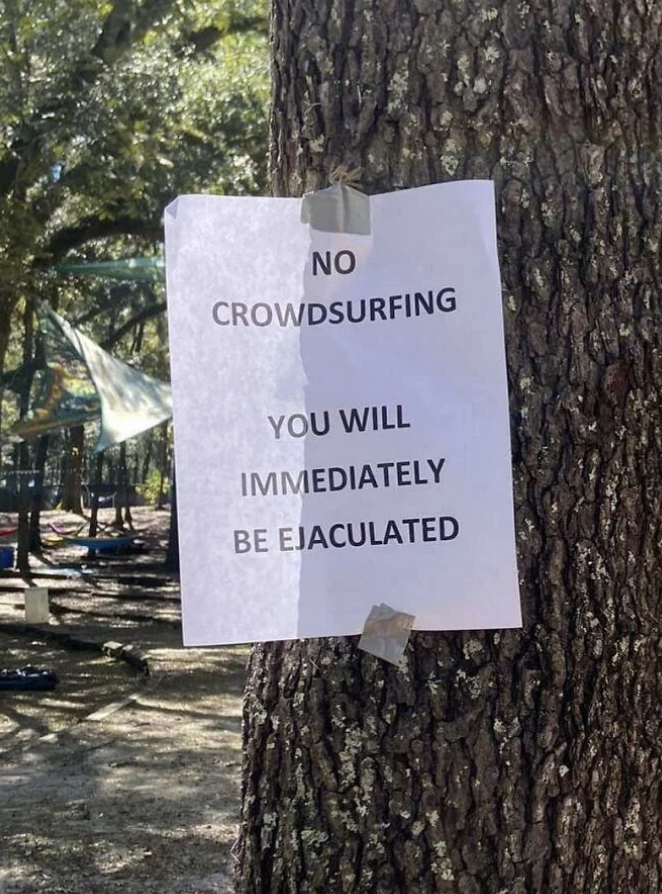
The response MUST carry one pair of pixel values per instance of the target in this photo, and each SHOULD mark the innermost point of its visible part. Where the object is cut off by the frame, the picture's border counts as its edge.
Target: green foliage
(150, 490)
(111, 108)
(108, 110)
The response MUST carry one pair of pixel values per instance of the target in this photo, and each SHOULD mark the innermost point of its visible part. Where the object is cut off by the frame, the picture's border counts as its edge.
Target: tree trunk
(122, 507)
(34, 537)
(7, 304)
(95, 491)
(23, 509)
(163, 464)
(146, 458)
(72, 495)
(520, 762)
(171, 562)
(24, 464)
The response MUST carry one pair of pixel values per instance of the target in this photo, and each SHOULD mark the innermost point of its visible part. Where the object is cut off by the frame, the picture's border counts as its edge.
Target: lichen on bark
(520, 762)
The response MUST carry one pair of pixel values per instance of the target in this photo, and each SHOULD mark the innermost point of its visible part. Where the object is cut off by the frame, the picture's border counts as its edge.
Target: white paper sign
(341, 416)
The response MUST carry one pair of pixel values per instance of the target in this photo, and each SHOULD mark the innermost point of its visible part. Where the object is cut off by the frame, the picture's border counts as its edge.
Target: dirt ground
(116, 781)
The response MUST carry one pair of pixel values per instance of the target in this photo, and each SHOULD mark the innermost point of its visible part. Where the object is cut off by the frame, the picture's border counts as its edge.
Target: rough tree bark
(24, 453)
(7, 304)
(496, 762)
(171, 562)
(38, 500)
(72, 491)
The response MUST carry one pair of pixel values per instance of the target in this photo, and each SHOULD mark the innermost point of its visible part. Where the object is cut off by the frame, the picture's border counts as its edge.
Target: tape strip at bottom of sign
(338, 209)
(386, 633)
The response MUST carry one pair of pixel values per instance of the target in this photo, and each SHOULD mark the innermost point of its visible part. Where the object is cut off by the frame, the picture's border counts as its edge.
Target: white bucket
(36, 606)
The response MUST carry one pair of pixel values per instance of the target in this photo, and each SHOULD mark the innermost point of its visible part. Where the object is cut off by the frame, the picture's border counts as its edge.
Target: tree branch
(205, 38)
(153, 310)
(92, 228)
(125, 25)
(116, 293)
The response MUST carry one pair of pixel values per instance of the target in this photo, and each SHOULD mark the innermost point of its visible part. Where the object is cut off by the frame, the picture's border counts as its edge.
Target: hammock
(98, 543)
(57, 538)
(101, 543)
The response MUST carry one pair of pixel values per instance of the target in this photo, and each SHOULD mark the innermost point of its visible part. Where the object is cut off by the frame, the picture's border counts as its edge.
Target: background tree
(501, 761)
(107, 112)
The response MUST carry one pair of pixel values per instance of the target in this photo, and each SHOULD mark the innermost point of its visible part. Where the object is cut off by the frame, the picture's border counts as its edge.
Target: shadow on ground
(116, 782)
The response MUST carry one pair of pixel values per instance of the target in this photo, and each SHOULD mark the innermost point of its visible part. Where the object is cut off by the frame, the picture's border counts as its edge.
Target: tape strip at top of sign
(338, 209)
(338, 371)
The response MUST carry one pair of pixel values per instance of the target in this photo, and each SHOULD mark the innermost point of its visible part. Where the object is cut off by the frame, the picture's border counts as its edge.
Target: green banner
(80, 382)
(128, 269)
(66, 395)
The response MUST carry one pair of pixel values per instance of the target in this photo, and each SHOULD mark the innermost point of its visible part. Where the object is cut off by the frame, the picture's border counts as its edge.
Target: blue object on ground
(28, 678)
(6, 556)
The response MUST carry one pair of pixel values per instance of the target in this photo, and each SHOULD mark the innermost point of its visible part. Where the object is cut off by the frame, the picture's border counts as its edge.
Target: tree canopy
(108, 110)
